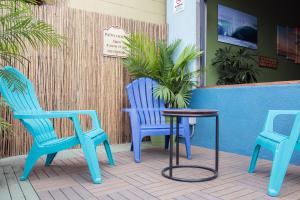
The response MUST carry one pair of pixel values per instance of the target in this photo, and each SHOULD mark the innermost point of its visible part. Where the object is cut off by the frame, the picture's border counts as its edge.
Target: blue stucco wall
(243, 111)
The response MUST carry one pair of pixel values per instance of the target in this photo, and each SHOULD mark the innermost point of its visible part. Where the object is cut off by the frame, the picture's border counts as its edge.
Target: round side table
(178, 113)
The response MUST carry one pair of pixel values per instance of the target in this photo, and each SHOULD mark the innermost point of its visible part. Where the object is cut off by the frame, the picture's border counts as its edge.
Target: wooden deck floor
(68, 178)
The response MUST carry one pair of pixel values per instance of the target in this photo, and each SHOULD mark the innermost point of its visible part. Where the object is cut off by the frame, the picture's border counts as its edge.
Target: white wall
(183, 25)
(153, 11)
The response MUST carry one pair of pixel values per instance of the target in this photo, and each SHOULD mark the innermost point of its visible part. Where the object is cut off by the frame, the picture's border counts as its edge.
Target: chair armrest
(52, 114)
(284, 112)
(71, 114)
(272, 114)
(142, 109)
(44, 115)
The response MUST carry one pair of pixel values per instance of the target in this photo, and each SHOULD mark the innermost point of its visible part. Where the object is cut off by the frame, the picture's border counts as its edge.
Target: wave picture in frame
(236, 27)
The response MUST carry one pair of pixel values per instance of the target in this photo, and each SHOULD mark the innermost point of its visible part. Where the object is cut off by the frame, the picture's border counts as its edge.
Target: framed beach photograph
(297, 46)
(282, 40)
(288, 42)
(236, 27)
(292, 43)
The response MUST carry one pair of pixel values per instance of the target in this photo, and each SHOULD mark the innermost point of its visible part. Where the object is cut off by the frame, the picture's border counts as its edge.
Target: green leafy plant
(5, 126)
(236, 67)
(154, 59)
(19, 29)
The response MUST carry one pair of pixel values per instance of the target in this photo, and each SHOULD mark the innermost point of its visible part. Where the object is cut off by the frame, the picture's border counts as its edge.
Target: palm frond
(155, 59)
(12, 80)
(20, 26)
(188, 54)
(20, 29)
(163, 92)
(5, 127)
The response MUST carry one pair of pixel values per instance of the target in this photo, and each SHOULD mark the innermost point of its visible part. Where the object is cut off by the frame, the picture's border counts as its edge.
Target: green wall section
(269, 14)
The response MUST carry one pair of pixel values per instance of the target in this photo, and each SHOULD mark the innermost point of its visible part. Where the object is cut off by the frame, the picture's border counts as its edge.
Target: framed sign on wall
(178, 6)
(113, 42)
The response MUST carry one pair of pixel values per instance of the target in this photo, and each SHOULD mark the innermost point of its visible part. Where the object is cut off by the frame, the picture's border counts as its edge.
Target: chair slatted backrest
(140, 95)
(26, 102)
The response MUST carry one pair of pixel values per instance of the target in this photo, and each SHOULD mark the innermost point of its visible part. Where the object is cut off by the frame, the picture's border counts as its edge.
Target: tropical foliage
(154, 59)
(20, 29)
(235, 67)
(5, 126)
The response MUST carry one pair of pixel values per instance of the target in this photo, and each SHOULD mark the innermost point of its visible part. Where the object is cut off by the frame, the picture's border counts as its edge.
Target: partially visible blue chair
(27, 109)
(282, 147)
(146, 116)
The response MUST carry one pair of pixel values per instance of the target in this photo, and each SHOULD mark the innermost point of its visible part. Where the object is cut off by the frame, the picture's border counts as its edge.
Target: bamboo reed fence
(78, 76)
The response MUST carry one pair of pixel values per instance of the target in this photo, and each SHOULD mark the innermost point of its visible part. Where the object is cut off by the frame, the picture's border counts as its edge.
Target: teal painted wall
(242, 113)
(269, 14)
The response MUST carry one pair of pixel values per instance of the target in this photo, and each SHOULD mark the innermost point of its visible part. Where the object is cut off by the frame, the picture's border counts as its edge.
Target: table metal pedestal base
(214, 172)
(190, 113)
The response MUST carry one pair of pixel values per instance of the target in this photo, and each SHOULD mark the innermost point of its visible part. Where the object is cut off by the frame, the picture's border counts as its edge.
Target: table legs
(171, 147)
(171, 144)
(170, 168)
(177, 140)
(217, 144)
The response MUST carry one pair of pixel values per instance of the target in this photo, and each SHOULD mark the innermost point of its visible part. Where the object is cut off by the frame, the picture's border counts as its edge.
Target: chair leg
(280, 164)
(254, 158)
(88, 148)
(50, 158)
(131, 147)
(108, 153)
(31, 160)
(188, 147)
(167, 141)
(137, 149)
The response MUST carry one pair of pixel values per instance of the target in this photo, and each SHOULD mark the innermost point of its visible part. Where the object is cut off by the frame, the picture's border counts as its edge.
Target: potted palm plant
(157, 60)
(19, 29)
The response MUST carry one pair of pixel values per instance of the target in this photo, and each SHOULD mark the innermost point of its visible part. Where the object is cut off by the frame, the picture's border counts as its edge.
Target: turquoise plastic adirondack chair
(27, 109)
(146, 116)
(282, 147)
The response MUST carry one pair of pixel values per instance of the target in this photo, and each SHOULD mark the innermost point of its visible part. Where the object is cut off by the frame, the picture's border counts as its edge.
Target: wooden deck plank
(192, 196)
(142, 194)
(83, 193)
(45, 195)
(237, 194)
(71, 194)
(53, 183)
(58, 195)
(13, 184)
(26, 186)
(68, 178)
(4, 191)
(182, 198)
(117, 196)
(205, 196)
(130, 195)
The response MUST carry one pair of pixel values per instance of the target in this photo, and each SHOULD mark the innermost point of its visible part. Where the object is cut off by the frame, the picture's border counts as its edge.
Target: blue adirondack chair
(282, 147)
(26, 108)
(146, 116)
